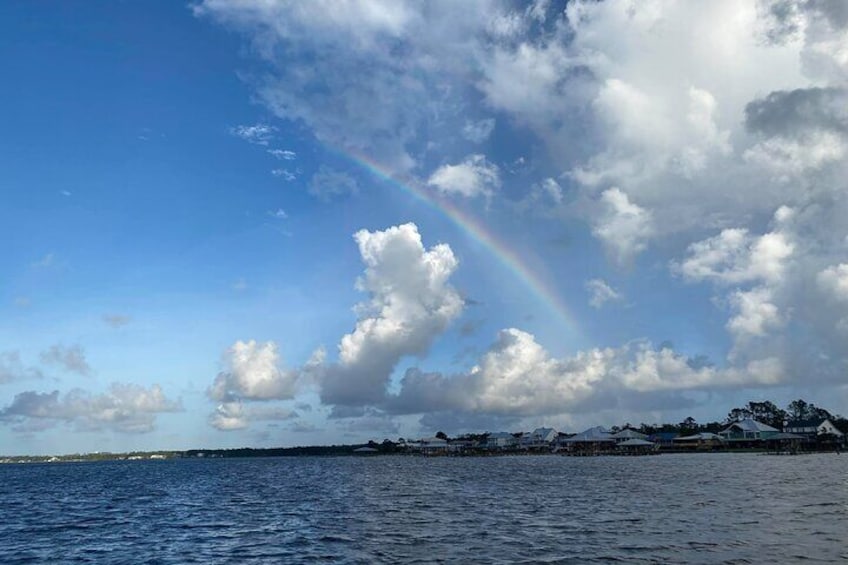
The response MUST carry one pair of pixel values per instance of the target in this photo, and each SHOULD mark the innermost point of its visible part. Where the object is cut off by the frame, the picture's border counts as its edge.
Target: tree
(737, 415)
(688, 426)
(802, 410)
(442, 435)
(768, 413)
(798, 409)
(819, 413)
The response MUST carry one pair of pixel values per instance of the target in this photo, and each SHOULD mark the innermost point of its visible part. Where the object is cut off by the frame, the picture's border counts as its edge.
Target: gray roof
(635, 442)
(592, 434)
(750, 425)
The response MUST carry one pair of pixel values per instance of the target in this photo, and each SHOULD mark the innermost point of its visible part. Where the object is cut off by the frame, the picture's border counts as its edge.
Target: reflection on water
(705, 508)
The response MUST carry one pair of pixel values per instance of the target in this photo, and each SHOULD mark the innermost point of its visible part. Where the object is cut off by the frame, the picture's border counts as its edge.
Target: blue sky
(230, 223)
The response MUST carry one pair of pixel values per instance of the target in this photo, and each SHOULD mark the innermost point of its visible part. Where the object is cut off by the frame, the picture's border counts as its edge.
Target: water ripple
(722, 508)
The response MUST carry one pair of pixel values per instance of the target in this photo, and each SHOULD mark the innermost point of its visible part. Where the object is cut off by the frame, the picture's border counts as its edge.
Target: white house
(813, 428)
(539, 438)
(501, 440)
(433, 446)
(747, 429)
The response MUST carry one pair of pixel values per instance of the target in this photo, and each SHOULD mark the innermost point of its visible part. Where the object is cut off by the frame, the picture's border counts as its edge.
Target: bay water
(688, 508)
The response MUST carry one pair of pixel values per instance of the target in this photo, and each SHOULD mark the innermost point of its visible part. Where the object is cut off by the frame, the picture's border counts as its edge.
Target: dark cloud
(790, 113)
(834, 11)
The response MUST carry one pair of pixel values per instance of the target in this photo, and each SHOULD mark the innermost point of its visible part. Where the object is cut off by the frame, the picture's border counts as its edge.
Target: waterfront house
(593, 440)
(628, 433)
(811, 429)
(704, 440)
(434, 446)
(747, 430)
(636, 446)
(501, 440)
(540, 438)
(461, 445)
(663, 439)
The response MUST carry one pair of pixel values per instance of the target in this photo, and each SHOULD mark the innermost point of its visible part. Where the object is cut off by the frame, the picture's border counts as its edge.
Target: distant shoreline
(340, 451)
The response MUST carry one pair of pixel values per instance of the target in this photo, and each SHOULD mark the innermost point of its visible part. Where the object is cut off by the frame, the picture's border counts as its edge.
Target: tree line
(765, 411)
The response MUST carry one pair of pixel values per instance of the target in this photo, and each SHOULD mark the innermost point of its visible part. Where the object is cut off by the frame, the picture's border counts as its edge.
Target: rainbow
(507, 256)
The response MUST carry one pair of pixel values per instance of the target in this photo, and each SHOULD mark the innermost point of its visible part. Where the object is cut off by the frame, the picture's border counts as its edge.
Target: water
(722, 508)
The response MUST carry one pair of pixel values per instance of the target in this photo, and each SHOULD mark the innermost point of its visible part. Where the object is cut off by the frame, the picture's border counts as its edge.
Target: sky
(271, 223)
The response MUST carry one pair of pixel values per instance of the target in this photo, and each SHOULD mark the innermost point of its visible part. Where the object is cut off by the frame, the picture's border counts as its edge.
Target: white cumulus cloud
(475, 176)
(623, 227)
(252, 371)
(410, 304)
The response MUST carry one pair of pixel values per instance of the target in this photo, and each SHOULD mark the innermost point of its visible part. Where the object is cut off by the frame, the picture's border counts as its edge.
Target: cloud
(240, 285)
(328, 184)
(802, 130)
(283, 154)
(623, 227)
(285, 174)
(71, 359)
(600, 293)
(399, 73)
(116, 320)
(22, 302)
(734, 256)
(123, 408)
(475, 176)
(834, 281)
(678, 152)
(517, 377)
(756, 313)
(12, 368)
(797, 112)
(252, 372)
(478, 132)
(259, 134)
(410, 303)
(236, 415)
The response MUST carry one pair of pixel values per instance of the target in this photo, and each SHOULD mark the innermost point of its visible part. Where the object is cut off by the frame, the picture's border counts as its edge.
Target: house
(813, 428)
(747, 430)
(636, 446)
(663, 439)
(628, 433)
(593, 440)
(704, 440)
(461, 445)
(540, 438)
(501, 440)
(433, 446)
